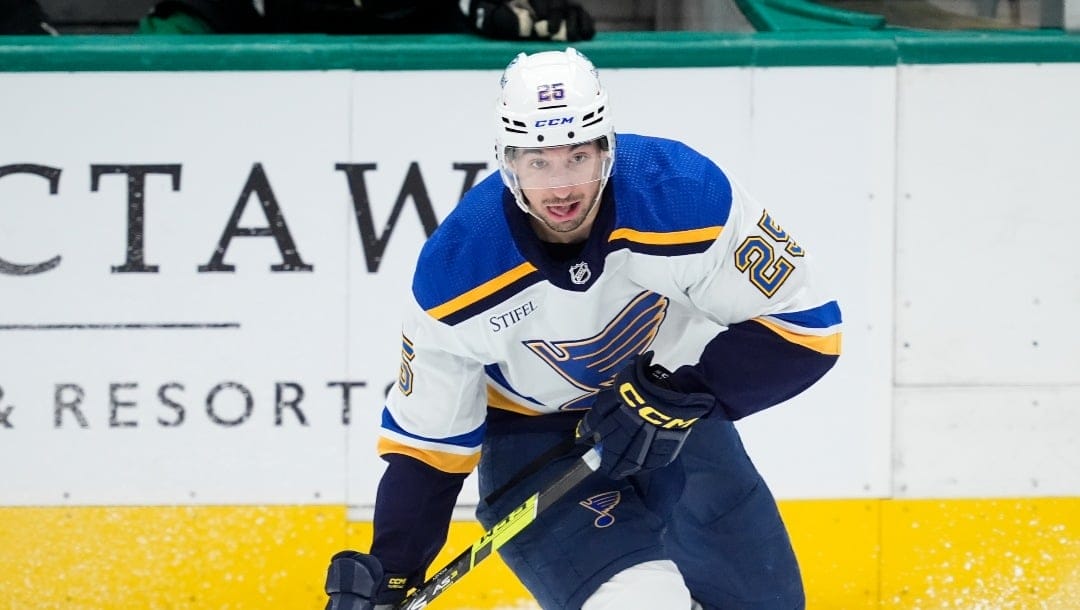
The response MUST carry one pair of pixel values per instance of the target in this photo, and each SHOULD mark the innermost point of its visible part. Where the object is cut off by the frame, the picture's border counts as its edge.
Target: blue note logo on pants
(603, 504)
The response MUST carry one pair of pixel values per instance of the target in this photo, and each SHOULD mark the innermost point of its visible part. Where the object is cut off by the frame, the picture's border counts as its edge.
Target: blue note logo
(602, 505)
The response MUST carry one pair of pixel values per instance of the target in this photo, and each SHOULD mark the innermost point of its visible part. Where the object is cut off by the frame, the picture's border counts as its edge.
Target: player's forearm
(412, 513)
(751, 367)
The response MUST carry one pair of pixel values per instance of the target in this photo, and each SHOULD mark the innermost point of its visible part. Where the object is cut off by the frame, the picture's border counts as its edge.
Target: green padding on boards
(1039, 46)
(839, 46)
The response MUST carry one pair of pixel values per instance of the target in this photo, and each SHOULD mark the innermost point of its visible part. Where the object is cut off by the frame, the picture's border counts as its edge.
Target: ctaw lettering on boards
(256, 188)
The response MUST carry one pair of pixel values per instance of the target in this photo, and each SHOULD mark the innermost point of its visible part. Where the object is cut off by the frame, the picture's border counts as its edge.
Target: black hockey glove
(640, 423)
(531, 19)
(357, 581)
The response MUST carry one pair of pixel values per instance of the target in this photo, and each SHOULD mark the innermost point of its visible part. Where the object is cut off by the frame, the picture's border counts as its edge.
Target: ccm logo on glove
(651, 414)
(396, 582)
(640, 423)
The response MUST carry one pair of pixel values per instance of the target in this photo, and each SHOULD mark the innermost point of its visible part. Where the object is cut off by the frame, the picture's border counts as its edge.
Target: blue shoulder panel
(822, 316)
(471, 261)
(671, 199)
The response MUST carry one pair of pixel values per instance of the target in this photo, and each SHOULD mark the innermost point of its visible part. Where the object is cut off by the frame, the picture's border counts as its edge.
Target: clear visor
(557, 166)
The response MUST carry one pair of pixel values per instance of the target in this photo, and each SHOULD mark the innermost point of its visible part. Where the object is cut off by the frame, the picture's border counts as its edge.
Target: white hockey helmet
(550, 99)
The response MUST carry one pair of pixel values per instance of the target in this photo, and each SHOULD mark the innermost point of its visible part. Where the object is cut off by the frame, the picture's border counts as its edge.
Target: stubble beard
(573, 224)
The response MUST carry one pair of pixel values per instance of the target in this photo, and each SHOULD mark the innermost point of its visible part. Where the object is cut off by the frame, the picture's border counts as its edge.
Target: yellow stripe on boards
(889, 554)
(837, 544)
(175, 558)
(1007, 553)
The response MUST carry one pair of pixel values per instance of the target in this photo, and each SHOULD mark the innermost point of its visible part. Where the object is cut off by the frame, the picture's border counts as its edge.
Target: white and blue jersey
(677, 256)
(679, 261)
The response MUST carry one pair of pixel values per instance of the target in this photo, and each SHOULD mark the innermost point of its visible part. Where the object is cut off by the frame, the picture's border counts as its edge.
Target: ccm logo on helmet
(634, 400)
(554, 122)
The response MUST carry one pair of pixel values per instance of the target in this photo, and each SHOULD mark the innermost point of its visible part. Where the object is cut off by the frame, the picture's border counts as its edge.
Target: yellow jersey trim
(482, 291)
(667, 238)
(444, 461)
(827, 344)
(497, 400)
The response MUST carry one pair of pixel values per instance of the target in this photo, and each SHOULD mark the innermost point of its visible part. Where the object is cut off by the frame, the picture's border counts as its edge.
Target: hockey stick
(501, 532)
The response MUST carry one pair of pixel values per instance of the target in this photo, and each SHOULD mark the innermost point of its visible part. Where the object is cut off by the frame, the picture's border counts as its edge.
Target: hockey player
(548, 308)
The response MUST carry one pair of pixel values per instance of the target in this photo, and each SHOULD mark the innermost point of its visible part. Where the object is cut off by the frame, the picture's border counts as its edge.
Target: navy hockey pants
(709, 511)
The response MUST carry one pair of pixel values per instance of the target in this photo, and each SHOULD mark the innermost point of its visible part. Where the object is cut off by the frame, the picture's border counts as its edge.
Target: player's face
(561, 185)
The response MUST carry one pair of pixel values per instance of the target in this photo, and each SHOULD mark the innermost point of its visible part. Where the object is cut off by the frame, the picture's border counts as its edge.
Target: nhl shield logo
(579, 273)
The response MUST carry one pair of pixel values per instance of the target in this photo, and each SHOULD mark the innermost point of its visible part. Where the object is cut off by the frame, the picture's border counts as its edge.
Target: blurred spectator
(529, 19)
(503, 19)
(24, 17)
